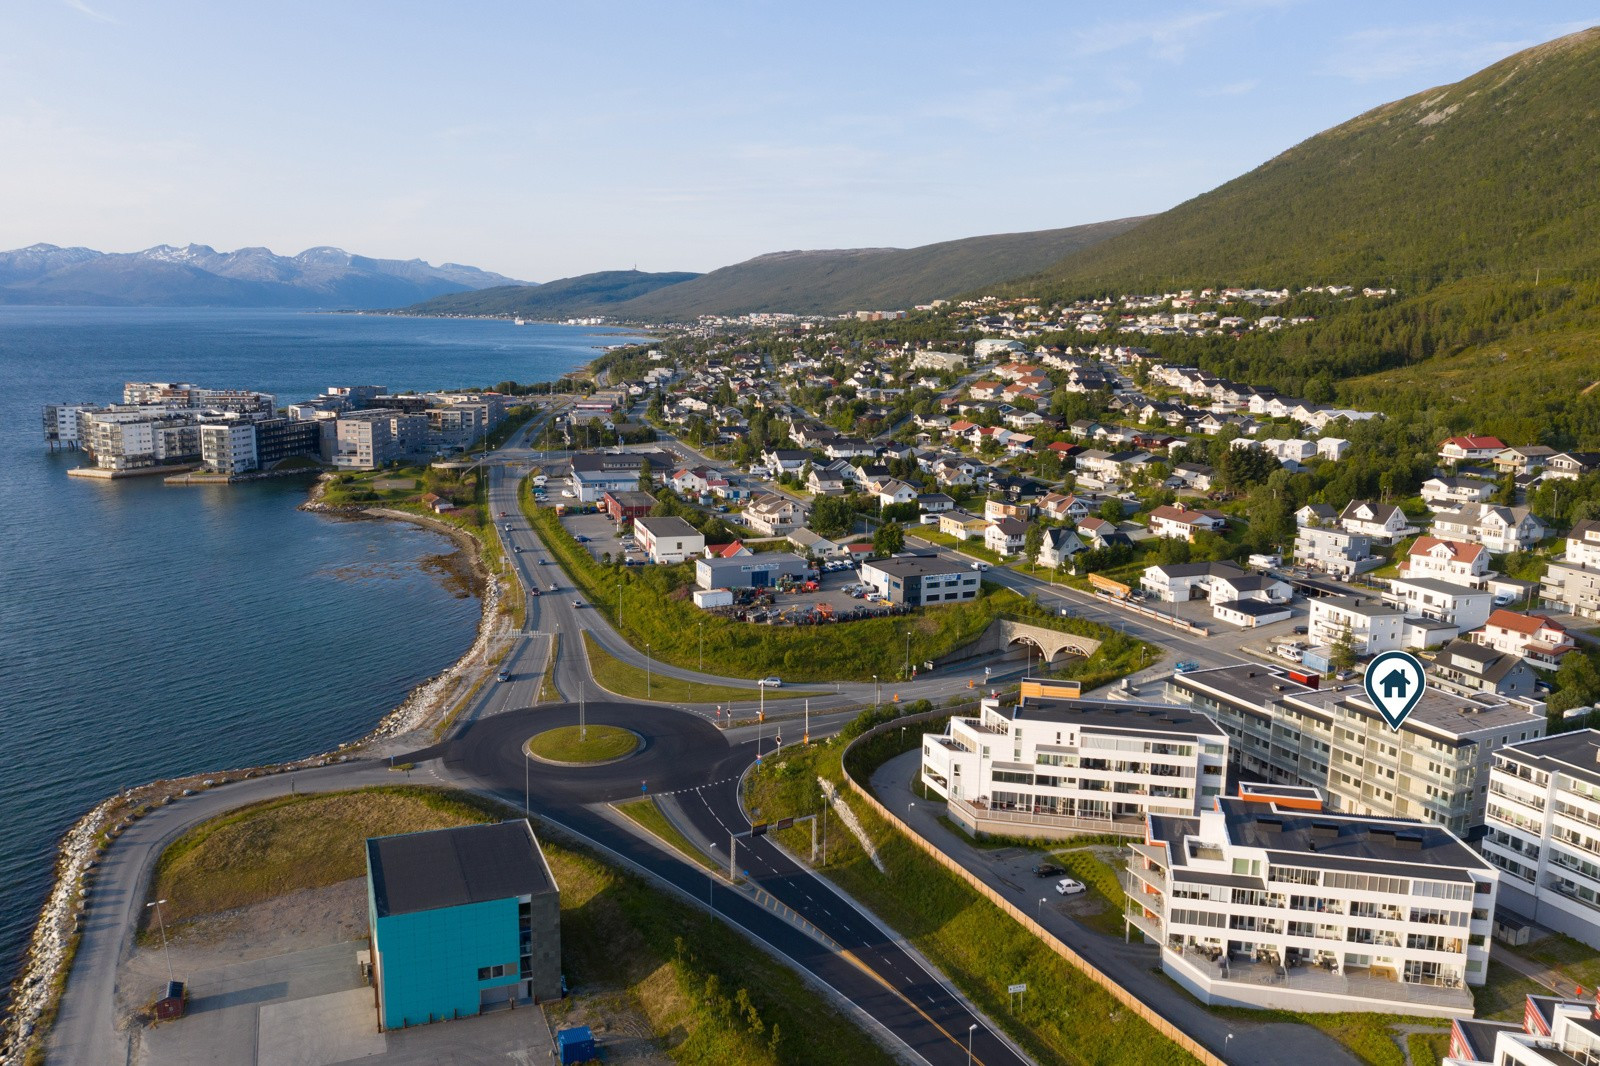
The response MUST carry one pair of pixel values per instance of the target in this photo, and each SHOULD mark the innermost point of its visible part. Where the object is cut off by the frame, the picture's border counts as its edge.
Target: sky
(545, 140)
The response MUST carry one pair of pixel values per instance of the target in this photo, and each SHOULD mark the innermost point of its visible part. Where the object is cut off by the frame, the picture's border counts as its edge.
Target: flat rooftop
(903, 566)
(666, 527)
(1114, 714)
(450, 867)
(1576, 754)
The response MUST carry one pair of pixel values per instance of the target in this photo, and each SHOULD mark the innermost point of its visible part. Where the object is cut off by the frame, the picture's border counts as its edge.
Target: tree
(1032, 542)
(890, 538)
(832, 516)
(646, 476)
(1342, 652)
(1577, 682)
(1111, 509)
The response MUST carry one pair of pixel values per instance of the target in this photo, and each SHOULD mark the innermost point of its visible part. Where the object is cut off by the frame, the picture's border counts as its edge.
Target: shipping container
(1306, 677)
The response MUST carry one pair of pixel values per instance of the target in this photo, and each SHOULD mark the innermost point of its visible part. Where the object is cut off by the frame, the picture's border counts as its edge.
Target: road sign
(1015, 989)
(783, 823)
(1395, 682)
(759, 829)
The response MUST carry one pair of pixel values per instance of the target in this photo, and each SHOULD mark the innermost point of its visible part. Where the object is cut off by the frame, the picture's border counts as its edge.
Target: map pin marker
(1395, 682)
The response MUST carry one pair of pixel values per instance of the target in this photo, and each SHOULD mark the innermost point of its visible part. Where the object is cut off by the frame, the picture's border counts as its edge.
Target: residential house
(1059, 545)
(1465, 667)
(1500, 529)
(1337, 551)
(935, 503)
(1442, 492)
(962, 526)
(955, 473)
(1005, 535)
(1178, 523)
(1061, 508)
(1099, 533)
(1523, 459)
(773, 515)
(1541, 641)
(1373, 627)
(1470, 449)
(808, 542)
(1569, 466)
(1196, 476)
(1332, 448)
(1462, 606)
(1383, 522)
(1572, 582)
(785, 460)
(892, 492)
(1456, 561)
(1316, 514)
(829, 480)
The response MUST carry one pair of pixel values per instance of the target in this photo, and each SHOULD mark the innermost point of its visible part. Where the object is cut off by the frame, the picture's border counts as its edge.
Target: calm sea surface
(147, 631)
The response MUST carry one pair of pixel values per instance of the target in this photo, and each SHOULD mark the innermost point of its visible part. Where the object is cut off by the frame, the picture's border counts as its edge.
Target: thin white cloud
(1408, 51)
(1164, 38)
(84, 9)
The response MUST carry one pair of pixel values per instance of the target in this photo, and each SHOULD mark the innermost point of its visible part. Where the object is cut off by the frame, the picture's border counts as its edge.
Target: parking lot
(597, 533)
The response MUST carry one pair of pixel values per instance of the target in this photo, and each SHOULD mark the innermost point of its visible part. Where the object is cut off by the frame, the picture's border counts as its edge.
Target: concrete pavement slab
(319, 1030)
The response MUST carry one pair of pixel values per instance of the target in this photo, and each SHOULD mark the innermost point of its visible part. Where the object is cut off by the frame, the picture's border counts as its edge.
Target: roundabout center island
(571, 745)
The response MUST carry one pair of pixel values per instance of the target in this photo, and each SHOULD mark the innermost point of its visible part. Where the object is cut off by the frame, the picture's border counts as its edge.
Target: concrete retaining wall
(1122, 995)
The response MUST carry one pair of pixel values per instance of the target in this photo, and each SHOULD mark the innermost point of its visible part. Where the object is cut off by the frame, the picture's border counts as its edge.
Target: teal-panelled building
(461, 919)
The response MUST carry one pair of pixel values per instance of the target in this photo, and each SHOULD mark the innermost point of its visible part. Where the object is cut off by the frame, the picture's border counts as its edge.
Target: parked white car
(1069, 887)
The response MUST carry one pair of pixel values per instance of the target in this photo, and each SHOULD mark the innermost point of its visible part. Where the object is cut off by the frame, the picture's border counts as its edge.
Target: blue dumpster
(575, 1045)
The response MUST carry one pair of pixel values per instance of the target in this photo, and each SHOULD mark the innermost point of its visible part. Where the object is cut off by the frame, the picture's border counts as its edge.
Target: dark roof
(1576, 754)
(1354, 842)
(451, 867)
(1116, 714)
(904, 566)
(1479, 1036)
(1255, 608)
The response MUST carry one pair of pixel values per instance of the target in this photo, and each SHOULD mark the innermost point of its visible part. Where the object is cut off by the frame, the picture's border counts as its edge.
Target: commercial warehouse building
(760, 570)
(461, 919)
(1271, 902)
(921, 580)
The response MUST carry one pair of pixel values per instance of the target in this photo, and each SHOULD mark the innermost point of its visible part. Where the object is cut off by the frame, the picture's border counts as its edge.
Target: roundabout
(587, 745)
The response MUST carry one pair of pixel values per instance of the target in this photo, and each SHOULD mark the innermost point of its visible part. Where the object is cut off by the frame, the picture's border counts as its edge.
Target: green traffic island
(594, 745)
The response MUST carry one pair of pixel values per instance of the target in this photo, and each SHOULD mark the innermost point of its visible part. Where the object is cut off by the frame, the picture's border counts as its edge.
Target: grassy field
(1503, 997)
(708, 995)
(569, 744)
(278, 846)
(1067, 1017)
(1571, 958)
(660, 613)
(1428, 1049)
(628, 680)
(648, 814)
(1087, 866)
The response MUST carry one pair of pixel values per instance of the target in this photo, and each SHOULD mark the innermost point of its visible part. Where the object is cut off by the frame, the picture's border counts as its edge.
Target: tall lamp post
(877, 696)
(907, 667)
(647, 671)
(619, 605)
(970, 1030)
(701, 626)
(162, 925)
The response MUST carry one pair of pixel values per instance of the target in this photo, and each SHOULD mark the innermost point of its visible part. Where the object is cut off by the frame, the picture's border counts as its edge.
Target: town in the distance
(1173, 584)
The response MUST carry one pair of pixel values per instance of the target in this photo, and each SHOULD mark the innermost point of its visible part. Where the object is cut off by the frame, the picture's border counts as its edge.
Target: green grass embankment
(625, 679)
(589, 744)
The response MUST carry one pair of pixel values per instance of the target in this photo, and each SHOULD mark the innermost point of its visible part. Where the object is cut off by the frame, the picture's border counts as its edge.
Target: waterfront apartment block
(1434, 768)
(367, 440)
(134, 438)
(1065, 767)
(1544, 831)
(1270, 901)
(228, 447)
(61, 422)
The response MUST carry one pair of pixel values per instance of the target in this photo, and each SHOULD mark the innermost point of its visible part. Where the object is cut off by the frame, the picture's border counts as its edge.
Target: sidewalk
(1134, 966)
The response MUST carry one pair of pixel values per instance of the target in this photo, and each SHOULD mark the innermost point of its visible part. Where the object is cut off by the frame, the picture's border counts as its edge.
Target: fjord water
(148, 630)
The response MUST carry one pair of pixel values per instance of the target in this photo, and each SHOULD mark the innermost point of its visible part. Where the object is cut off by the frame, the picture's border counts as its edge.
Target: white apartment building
(1373, 627)
(1425, 597)
(1269, 901)
(1544, 831)
(1064, 767)
(229, 447)
(1434, 768)
(61, 422)
(1338, 552)
(367, 440)
(124, 438)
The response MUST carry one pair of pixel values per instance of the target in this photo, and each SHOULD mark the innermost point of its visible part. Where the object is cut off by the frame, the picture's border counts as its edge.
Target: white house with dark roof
(1442, 492)
(1383, 522)
(1466, 667)
(1500, 529)
(1462, 606)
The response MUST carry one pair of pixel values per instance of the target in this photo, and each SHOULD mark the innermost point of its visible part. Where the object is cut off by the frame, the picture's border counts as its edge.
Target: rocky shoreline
(36, 992)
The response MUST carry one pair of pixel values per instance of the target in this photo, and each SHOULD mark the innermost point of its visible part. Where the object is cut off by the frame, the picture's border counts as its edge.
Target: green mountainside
(585, 294)
(810, 282)
(833, 282)
(1476, 202)
(1494, 174)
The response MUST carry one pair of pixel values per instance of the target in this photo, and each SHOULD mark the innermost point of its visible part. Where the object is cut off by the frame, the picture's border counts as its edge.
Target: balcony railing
(1124, 826)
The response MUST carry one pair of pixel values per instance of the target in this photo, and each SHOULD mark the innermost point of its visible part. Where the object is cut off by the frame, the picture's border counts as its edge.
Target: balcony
(1013, 819)
(1328, 978)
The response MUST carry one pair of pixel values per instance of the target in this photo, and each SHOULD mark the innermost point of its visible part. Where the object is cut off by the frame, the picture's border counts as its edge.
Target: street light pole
(162, 925)
(907, 667)
(970, 1030)
(701, 626)
(647, 671)
(805, 738)
(877, 695)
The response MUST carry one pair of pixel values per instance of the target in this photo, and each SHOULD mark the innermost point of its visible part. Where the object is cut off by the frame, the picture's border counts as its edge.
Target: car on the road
(1300, 631)
(770, 682)
(1048, 869)
(1185, 666)
(1070, 887)
(569, 494)
(517, 548)
(502, 514)
(581, 539)
(980, 566)
(508, 527)
(502, 676)
(552, 586)
(577, 603)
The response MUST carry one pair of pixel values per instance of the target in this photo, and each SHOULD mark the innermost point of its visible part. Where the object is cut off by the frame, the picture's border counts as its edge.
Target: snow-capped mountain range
(200, 276)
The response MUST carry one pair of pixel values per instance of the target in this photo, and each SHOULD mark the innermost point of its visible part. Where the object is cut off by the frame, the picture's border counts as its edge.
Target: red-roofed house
(1456, 561)
(1542, 641)
(1181, 524)
(727, 551)
(1470, 449)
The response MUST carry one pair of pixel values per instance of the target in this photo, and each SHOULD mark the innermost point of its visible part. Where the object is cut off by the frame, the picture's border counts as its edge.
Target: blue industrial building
(461, 919)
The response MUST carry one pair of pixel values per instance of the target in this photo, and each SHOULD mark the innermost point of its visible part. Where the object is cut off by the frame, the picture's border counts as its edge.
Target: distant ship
(520, 322)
